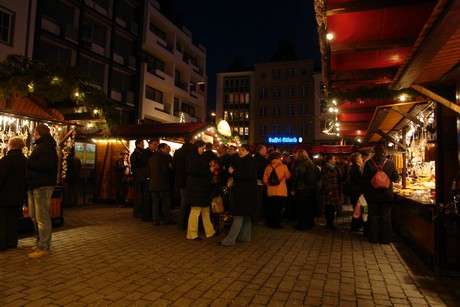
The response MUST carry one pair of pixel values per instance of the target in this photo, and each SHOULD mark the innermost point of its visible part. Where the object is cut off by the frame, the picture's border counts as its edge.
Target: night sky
(249, 30)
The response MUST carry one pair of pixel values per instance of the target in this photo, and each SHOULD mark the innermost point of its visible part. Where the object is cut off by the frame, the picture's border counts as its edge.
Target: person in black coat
(379, 200)
(261, 162)
(180, 178)
(12, 192)
(41, 179)
(303, 187)
(198, 192)
(244, 205)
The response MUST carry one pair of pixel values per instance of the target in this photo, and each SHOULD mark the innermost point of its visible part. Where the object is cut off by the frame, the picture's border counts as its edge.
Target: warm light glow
(329, 36)
(403, 97)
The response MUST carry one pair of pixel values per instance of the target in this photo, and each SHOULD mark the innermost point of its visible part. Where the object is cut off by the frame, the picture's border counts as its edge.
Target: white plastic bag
(364, 207)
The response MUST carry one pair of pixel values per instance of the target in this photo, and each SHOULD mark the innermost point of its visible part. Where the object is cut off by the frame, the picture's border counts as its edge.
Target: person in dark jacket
(122, 173)
(244, 206)
(379, 200)
(198, 192)
(139, 170)
(355, 182)
(261, 163)
(303, 187)
(12, 192)
(180, 178)
(41, 179)
(159, 170)
(71, 179)
(330, 186)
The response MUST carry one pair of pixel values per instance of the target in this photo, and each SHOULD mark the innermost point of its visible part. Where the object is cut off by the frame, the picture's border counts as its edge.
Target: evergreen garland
(56, 84)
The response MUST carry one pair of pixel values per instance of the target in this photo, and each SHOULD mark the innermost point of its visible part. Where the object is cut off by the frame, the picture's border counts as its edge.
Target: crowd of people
(306, 188)
(261, 187)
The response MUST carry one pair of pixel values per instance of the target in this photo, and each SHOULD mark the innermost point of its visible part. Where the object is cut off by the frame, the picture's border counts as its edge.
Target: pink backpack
(380, 180)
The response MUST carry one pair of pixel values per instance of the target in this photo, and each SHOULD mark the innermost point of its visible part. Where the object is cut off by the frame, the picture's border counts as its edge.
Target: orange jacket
(283, 173)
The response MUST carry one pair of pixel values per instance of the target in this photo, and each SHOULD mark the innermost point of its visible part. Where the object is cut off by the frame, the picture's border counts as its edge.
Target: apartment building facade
(173, 71)
(149, 67)
(235, 98)
(278, 107)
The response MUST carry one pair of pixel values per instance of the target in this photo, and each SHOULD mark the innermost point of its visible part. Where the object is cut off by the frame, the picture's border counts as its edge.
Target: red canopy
(148, 131)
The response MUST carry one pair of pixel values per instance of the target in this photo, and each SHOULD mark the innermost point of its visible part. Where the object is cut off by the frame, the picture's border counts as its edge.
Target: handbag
(217, 205)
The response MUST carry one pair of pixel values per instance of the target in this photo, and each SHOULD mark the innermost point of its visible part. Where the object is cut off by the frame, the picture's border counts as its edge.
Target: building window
(263, 112)
(122, 82)
(290, 110)
(289, 73)
(6, 27)
(303, 109)
(49, 53)
(94, 31)
(275, 129)
(276, 111)
(289, 129)
(153, 63)
(188, 109)
(276, 92)
(289, 91)
(303, 129)
(276, 74)
(93, 71)
(154, 29)
(303, 91)
(154, 94)
(226, 115)
(263, 93)
(246, 130)
(262, 130)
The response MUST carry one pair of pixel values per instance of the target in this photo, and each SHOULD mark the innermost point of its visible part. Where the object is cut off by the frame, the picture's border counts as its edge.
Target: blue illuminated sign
(285, 139)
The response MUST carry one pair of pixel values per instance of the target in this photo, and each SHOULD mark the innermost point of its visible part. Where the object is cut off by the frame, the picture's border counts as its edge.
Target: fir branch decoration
(55, 83)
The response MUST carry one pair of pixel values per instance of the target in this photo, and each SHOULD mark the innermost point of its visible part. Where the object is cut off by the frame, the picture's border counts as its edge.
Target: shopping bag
(357, 210)
(364, 207)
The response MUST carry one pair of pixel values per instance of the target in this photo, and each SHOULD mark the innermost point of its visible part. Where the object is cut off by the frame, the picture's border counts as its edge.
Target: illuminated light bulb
(334, 102)
(329, 36)
(359, 140)
(403, 97)
(336, 110)
(331, 109)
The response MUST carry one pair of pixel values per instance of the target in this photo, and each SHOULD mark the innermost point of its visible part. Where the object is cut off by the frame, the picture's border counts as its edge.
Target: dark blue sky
(249, 30)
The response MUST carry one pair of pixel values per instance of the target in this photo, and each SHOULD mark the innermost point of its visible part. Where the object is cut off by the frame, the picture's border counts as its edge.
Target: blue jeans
(39, 211)
(239, 231)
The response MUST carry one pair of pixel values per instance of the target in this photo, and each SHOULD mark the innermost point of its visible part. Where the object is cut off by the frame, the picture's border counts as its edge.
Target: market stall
(108, 150)
(375, 56)
(19, 117)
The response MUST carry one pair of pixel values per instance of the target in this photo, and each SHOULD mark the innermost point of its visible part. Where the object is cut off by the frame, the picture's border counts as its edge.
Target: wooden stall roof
(389, 120)
(147, 131)
(396, 44)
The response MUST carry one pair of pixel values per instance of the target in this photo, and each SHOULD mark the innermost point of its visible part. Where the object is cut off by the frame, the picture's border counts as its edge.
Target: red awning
(148, 131)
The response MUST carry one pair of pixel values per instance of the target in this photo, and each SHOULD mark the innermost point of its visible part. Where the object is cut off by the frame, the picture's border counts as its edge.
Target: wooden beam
(366, 5)
(454, 107)
(441, 32)
(390, 139)
(412, 118)
(372, 45)
(364, 74)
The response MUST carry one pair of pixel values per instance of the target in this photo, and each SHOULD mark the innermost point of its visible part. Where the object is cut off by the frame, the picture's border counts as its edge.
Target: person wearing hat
(41, 179)
(12, 192)
(122, 172)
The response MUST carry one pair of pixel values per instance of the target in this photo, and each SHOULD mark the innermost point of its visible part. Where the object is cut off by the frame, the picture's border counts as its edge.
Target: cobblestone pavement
(102, 256)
